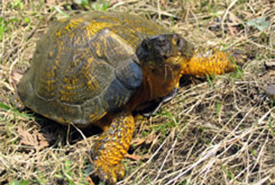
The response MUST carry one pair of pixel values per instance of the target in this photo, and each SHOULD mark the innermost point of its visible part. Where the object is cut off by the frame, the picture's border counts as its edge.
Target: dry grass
(216, 132)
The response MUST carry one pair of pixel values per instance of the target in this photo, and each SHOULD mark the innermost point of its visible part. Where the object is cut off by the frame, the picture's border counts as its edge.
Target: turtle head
(165, 49)
(162, 59)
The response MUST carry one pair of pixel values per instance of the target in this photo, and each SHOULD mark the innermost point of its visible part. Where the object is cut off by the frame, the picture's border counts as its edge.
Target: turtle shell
(86, 67)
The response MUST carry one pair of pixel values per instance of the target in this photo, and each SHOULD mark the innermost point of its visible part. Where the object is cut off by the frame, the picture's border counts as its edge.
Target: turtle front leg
(112, 146)
(212, 62)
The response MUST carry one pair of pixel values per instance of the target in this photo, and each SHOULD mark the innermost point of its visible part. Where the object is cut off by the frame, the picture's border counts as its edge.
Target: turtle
(97, 68)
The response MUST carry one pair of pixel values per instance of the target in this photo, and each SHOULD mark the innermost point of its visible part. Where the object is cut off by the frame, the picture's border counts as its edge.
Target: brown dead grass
(206, 135)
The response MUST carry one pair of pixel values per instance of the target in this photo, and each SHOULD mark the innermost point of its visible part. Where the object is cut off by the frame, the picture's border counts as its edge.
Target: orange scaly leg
(211, 62)
(112, 146)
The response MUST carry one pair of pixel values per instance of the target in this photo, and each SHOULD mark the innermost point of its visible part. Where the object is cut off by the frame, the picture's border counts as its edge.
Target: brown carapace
(97, 68)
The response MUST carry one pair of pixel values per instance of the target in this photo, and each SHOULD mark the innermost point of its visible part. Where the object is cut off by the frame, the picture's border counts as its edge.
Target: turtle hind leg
(112, 146)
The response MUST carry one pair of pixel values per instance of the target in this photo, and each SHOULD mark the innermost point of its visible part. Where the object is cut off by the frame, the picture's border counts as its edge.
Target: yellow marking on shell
(95, 116)
(93, 27)
(73, 38)
(73, 81)
(48, 85)
(62, 47)
(104, 45)
(69, 85)
(68, 110)
(92, 83)
(69, 89)
(73, 23)
(50, 73)
(98, 48)
(65, 96)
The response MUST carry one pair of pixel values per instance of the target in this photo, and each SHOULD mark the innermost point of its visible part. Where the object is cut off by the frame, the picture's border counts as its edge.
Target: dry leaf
(34, 139)
(137, 157)
(133, 157)
(149, 139)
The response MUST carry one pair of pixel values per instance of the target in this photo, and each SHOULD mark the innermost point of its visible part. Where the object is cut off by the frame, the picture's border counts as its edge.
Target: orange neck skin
(154, 85)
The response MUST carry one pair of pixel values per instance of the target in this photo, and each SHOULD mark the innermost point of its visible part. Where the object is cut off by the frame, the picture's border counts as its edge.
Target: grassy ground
(216, 131)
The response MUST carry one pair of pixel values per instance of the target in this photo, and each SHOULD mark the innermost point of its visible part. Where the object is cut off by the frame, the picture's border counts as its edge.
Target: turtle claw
(111, 174)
